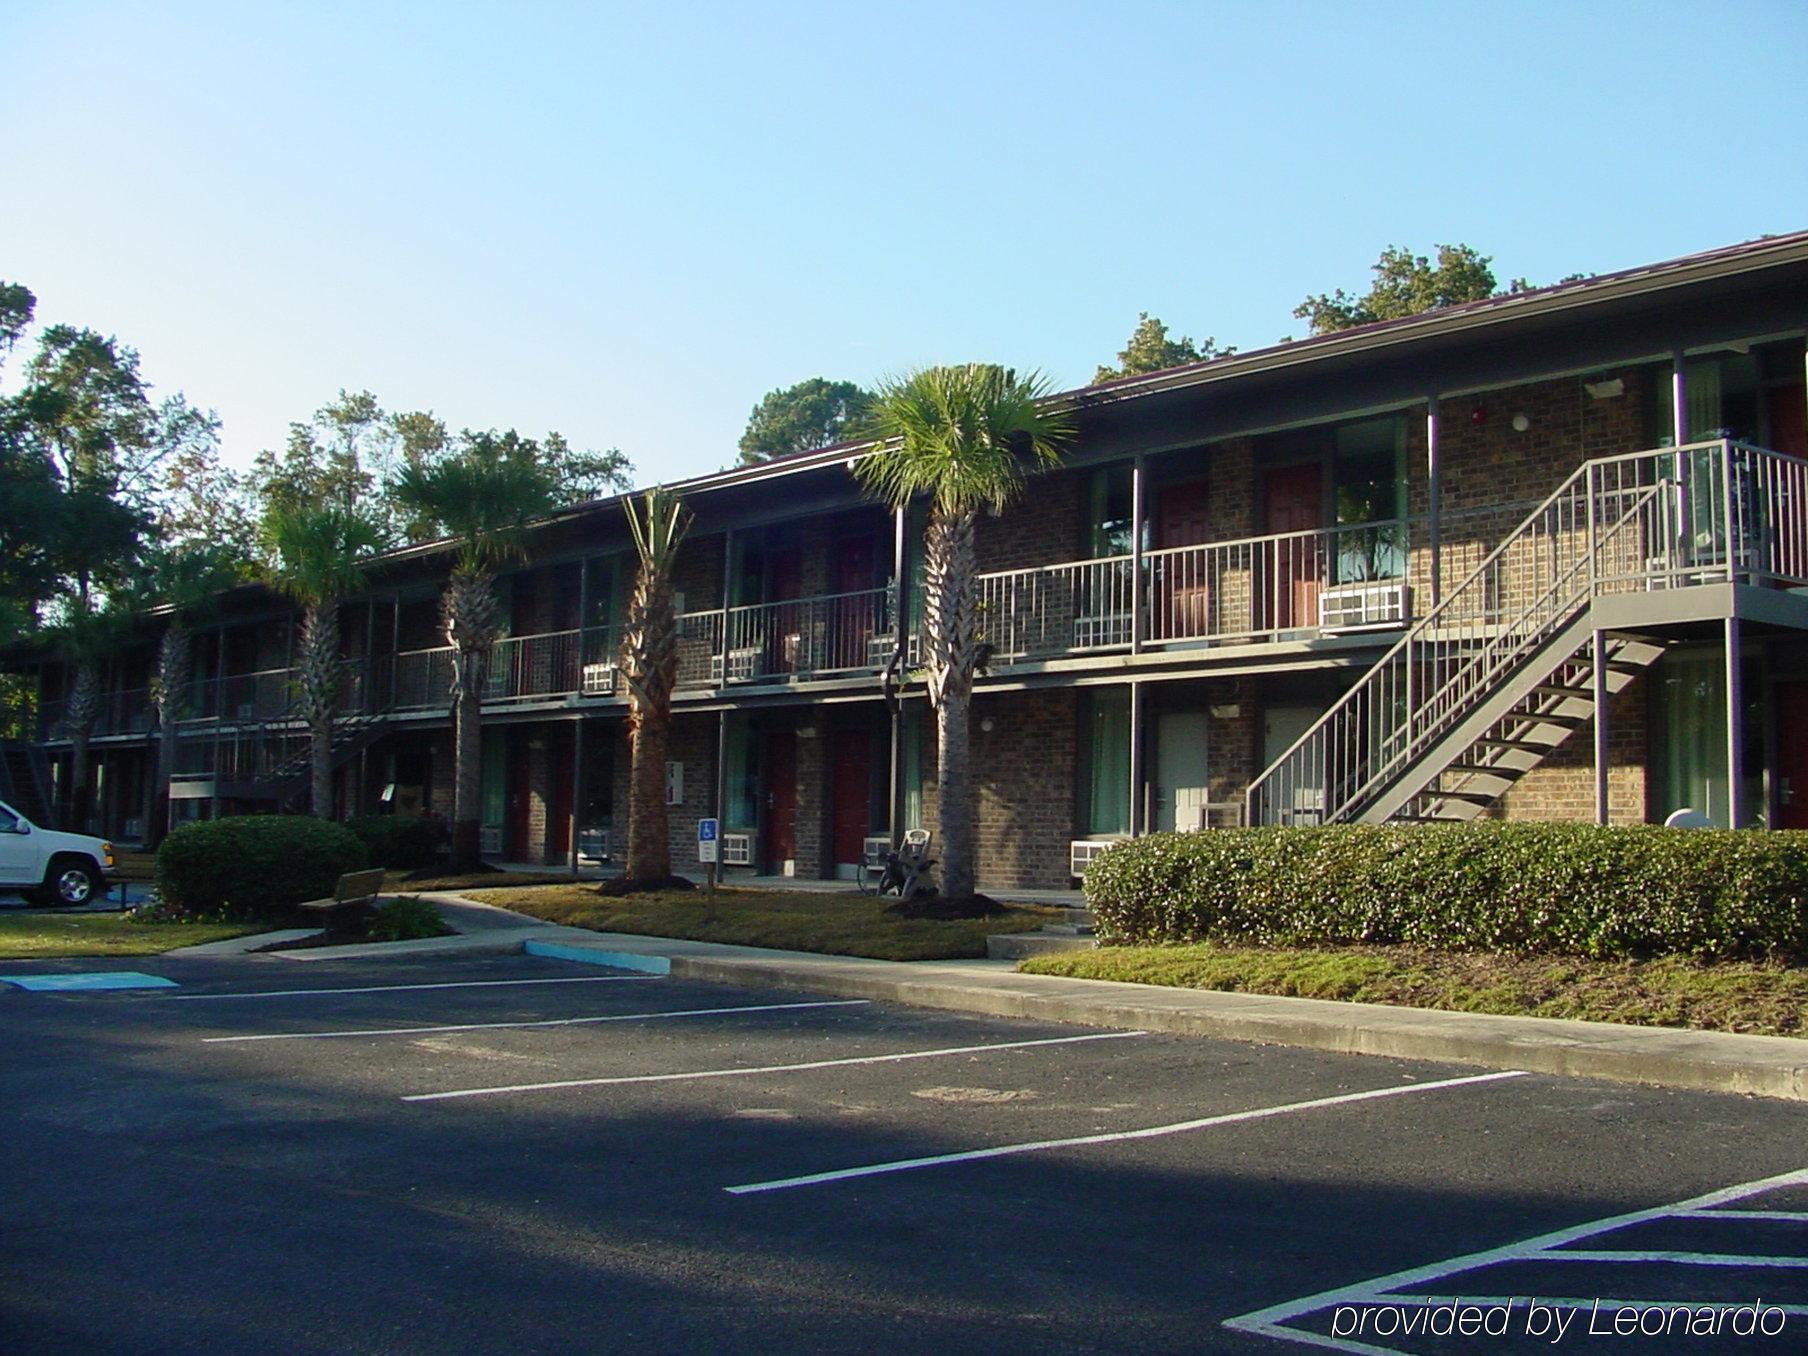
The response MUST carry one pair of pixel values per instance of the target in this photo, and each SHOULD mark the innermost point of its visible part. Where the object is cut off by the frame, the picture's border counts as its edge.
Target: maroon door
(852, 612)
(781, 800)
(1788, 418)
(559, 747)
(785, 627)
(1291, 568)
(520, 802)
(1792, 757)
(853, 795)
(1182, 589)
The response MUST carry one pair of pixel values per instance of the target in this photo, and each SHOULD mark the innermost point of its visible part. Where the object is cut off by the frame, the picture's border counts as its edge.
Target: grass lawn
(1754, 997)
(836, 924)
(99, 934)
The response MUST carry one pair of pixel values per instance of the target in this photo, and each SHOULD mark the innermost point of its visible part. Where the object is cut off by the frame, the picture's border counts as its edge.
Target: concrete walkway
(1706, 1061)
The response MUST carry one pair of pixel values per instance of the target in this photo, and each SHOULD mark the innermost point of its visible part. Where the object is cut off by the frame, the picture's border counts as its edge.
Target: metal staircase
(1502, 671)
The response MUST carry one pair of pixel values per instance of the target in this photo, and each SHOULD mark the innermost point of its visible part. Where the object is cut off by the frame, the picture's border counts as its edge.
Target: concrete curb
(1706, 1061)
(240, 946)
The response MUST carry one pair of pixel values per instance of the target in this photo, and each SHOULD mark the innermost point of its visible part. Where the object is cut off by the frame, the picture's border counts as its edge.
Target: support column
(577, 784)
(1434, 501)
(1136, 759)
(1679, 397)
(727, 595)
(395, 644)
(720, 803)
(1603, 811)
(1138, 510)
(894, 799)
(1735, 743)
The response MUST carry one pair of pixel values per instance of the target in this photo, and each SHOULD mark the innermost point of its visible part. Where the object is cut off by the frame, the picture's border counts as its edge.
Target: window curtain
(1107, 734)
(495, 779)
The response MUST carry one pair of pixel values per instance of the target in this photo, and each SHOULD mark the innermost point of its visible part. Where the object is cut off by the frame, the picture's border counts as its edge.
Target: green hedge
(254, 866)
(1575, 889)
(400, 841)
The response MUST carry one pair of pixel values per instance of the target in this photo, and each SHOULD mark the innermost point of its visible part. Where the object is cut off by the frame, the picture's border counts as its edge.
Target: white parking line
(766, 1069)
(551, 1021)
(404, 988)
(1385, 1290)
(1151, 1132)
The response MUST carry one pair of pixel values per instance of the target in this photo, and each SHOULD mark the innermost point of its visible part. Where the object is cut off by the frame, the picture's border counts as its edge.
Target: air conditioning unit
(489, 840)
(1351, 606)
(1081, 852)
(593, 845)
(737, 849)
(743, 664)
(132, 829)
(599, 679)
(879, 651)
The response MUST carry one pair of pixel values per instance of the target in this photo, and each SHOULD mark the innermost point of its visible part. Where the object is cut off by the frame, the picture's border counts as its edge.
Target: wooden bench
(355, 892)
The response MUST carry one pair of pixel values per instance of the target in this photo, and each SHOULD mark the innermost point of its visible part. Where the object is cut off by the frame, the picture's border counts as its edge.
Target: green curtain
(1107, 732)
(495, 779)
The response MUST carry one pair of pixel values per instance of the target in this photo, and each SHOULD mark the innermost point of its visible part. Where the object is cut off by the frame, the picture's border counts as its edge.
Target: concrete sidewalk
(1706, 1061)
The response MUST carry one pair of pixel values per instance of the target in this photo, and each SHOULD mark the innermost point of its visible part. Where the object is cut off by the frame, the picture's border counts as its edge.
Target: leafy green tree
(964, 438)
(339, 455)
(1151, 350)
(483, 495)
(1407, 284)
(17, 306)
(801, 418)
(320, 551)
(649, 666)
(85, 636)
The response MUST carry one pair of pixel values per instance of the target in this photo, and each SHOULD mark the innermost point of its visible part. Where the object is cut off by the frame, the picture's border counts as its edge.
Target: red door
(559, 803)
(853, 795)
(1788, 419)
(1182, 593)
(781, 801)
(1792, 757)
(1291, 567)
(785, 625)
(852, 612)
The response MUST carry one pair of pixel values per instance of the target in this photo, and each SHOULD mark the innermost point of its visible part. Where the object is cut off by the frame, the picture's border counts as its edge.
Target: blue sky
(628, 222)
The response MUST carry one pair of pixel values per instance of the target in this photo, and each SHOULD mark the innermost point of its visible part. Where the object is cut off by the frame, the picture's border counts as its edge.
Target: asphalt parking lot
(505, 1153)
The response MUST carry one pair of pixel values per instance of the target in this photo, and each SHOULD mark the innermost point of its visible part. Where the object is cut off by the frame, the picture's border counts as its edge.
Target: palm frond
(320, 550)
(484, 496)
(964, 435)
(658, 527)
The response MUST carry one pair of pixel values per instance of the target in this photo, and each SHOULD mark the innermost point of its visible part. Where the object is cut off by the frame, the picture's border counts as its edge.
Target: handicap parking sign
(707, 835)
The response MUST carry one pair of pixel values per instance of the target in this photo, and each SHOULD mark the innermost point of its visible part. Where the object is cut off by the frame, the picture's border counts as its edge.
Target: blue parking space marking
(89, 981)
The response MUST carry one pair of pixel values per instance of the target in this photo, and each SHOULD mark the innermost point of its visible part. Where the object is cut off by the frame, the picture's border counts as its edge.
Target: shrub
(1575, 889)
(404, 842)
(254, 866)
(403, 919)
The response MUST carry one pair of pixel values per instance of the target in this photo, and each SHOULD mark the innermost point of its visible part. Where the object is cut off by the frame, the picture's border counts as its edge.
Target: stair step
(1510, 774)
(1586, 694)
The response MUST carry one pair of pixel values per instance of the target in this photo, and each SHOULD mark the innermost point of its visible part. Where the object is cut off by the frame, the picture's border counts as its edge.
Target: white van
(48, 867)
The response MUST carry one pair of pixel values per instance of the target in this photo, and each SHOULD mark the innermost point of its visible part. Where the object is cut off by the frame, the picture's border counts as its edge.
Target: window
(1368, 481)
(911, 737)
(741, 759)
(1105, 747)
(1688, 734)
(1109, 512)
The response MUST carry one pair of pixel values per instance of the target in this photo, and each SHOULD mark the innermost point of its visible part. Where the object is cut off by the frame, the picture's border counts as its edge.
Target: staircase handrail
(1439, 615)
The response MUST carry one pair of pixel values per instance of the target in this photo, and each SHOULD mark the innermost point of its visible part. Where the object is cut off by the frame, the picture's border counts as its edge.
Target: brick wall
(1562, 787)
(1046, 524)
(1025, 784)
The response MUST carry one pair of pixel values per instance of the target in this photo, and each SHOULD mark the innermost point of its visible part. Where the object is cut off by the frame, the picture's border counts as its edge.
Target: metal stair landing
(1540, 715)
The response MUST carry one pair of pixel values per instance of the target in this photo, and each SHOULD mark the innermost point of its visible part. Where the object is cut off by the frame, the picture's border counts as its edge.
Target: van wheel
(71, 882)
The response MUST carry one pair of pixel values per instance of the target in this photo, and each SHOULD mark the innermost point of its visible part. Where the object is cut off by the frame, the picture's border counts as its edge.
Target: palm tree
(320, 551)
(649, 666)
(85, 637)
(964, 437)
(483, 496)
(187, 582)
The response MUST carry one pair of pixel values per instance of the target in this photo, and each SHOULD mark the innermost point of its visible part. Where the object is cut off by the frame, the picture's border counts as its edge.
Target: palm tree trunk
(951, 616)
(469, 613)
(319, 698)
(83, 708)
(467, 760)
(174, 657)
(649, 849)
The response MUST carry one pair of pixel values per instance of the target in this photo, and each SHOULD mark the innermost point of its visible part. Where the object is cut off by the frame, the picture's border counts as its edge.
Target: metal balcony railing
(807, 637)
